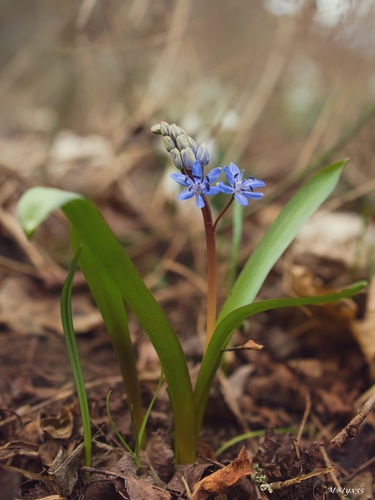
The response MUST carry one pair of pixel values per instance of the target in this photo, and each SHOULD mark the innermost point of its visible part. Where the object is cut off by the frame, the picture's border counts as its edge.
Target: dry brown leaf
(250, 345)
(59, 427)
(64, 469)
(222, 479)
(322, 260)
(160, 455)
(136, 489)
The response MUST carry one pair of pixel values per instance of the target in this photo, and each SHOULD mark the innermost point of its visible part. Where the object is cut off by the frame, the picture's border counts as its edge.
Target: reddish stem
(211, 270)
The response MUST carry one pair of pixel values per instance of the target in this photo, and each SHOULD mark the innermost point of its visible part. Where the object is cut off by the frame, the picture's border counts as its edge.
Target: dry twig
(351, 430)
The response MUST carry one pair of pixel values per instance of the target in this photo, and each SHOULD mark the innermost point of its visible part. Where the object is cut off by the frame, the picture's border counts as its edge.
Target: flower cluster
(191, 159)
(197, 184)
(183, 149)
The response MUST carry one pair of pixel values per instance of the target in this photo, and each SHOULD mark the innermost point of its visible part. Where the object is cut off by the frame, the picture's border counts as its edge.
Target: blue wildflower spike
(197, 184)
(241, 188)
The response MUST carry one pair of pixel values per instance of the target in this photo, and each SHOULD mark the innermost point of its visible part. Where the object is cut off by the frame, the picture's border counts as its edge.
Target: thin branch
(351, 430)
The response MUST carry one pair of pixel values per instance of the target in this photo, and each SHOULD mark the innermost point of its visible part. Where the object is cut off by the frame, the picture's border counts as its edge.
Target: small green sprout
(138, 436)
(260, 479)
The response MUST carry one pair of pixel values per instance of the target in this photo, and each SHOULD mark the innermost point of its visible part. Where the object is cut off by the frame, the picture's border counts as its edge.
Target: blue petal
(214, 174)
(186, 194)
(253, 183)
(213, 190)
(182, 179)
(236, 172)
(250, 194)
(197, 171)
(241, 199)
(200, 201)
(229, 175)
(224, 188)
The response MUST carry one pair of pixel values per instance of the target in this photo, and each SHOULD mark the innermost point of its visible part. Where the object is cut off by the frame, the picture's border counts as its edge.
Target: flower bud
(203, 155)
(188, 158)
(175, 130)
(182, 142)
(169, 143)
(164, 127)
(176, 158)
(192, 144)
(156, 129)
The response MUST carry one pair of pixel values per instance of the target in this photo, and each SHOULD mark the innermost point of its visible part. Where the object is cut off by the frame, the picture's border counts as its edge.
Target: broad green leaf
(38, 203)
(35, 205)
(112, 308)
(278, 237)
(227, 325)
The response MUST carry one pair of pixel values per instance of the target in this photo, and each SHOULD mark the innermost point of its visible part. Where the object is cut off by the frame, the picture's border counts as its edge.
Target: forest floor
(295, 396)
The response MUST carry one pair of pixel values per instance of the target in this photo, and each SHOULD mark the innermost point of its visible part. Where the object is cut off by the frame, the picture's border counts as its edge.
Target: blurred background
(268, 84)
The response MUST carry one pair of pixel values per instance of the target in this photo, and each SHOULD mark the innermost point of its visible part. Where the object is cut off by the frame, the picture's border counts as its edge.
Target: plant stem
(223, 212)
(209, 229)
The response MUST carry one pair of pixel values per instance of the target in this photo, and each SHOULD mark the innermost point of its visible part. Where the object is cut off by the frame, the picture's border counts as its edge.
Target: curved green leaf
(35, 205)
(226, 326)
(38, 203)
(278, 237)
(111, 305)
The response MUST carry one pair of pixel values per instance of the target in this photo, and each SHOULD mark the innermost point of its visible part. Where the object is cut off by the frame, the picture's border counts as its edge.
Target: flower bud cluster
(183, 149)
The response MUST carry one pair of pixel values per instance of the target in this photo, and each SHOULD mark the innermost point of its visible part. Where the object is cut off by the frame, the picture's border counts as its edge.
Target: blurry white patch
(336, 235)
(230, 120)
(69, 147)
(284, 7)
(168, 186)
(304, 87)
(331, 12)
(80, 163)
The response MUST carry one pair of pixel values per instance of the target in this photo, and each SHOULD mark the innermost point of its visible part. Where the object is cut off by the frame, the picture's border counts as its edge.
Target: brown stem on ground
(351, 430)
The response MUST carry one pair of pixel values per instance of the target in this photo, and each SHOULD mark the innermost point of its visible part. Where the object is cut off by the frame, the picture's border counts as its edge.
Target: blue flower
(198, 185)
(241, 189)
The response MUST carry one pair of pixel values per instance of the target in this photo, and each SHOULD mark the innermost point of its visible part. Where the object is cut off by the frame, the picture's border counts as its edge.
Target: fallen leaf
(250, 345)
(160, 455)
(221, 480)
(64, 469)
(9, 481)
(59, 427)
(136, 489)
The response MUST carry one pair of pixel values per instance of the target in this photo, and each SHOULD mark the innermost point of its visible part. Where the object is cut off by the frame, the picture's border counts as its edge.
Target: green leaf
(71, 344)
(38, 203)
(111, 305)
(278, 237)
(35, 205)
(227, 325)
